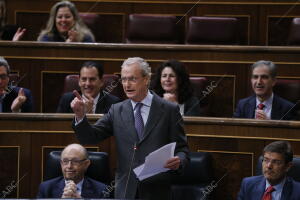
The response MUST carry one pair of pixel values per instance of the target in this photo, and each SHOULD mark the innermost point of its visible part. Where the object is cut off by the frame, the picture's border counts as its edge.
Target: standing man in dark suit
(74, 163)
(12, 99)
(141, 124)
(91, 84)
(274, 184)
(264, 104)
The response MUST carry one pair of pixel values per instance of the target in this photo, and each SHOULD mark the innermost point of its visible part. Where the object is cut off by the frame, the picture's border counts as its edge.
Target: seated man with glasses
(12, 99)
(73, 184)
(274, 184)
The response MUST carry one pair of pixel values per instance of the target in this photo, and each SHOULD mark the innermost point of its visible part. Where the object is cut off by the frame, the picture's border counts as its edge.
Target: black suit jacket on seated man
(104, 102)
(27, 106)
(164, 125)
(281, 108)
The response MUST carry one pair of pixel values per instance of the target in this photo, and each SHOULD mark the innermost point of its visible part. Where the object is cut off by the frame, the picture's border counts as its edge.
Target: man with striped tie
(264, 104)
(140, 125)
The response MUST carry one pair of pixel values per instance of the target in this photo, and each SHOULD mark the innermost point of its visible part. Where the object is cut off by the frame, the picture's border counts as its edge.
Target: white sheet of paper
(155, 161)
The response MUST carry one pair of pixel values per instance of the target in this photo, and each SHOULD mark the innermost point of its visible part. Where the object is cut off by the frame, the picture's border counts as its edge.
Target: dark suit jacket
(104, 102)
(164, 125)
(53, 188)
(280, 108)
(253, 188)
(9, 98)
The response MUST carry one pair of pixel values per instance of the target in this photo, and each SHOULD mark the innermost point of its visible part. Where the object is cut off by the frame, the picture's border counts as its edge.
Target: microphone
(130, 169)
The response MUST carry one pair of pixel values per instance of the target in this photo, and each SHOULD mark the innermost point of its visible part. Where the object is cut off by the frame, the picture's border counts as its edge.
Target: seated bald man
(73, 183)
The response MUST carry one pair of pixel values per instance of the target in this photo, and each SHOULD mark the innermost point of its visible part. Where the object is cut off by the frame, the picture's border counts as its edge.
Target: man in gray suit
(163, 125)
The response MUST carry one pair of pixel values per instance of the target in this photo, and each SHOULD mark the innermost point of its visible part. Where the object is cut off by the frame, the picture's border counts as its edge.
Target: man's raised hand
(77, 106)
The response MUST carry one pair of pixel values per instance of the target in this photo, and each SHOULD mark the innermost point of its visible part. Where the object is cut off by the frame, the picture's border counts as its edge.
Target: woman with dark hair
(172, 82)
(65, 25)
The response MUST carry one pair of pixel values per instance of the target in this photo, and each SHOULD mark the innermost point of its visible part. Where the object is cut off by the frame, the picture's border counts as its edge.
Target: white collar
(146, 101)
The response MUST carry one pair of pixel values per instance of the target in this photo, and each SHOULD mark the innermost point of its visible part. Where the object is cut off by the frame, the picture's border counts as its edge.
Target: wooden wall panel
(228, 171)
(52, 89)
(247, 17)
(9, 175)
(15, 162)
(46, 65)
(278, 30)
(255, 26)
(221, 88)
(235, 145)
(34, 22)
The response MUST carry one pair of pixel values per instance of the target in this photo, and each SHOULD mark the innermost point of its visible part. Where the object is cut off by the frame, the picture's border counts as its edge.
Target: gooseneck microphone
(130, 169)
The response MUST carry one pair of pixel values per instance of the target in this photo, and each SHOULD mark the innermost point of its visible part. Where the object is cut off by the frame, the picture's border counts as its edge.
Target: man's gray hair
(4, 63)
(146, 69)
(271, 66)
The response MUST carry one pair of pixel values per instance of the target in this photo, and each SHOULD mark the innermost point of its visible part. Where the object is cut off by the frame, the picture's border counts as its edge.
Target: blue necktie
(138, 120)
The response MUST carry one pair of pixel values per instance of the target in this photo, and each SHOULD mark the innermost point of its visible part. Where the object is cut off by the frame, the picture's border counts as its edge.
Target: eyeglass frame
(4, 76)
(273, 162)
(73, 162)
(131, 79)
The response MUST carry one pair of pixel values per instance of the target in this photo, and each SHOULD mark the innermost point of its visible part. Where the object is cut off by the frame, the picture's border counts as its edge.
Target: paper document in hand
(155, 161)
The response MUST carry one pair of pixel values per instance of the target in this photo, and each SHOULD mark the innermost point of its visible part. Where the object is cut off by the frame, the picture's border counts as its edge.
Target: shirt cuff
(78, 121)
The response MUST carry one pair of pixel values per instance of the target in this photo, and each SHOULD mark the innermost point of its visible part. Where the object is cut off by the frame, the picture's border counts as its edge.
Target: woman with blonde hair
(65, 25)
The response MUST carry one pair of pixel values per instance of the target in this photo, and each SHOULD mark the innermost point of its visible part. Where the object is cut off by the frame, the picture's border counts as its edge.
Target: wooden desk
(261, 22)
(26, 139)
(46, 65)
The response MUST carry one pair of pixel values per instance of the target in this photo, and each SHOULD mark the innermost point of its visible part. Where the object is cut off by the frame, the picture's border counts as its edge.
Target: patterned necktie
(261, 106)
(138, 120)
(267, 194)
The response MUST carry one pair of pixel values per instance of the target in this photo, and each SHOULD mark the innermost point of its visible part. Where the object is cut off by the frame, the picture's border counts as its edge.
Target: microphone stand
(130, 168)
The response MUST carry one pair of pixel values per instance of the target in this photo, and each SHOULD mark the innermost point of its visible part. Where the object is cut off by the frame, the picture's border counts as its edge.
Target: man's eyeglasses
(273, 162)
(129, 79)
(73, 162)
(3, 76)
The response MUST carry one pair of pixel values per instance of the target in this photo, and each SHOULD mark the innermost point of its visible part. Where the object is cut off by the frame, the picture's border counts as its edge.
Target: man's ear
(78, 81)
(274, 82)
(87, 164)
(101, 82)
(289, 165)
(148, 80)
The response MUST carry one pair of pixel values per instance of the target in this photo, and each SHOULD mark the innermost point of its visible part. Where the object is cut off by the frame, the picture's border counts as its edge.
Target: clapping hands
(70, 190)
(19, 101)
